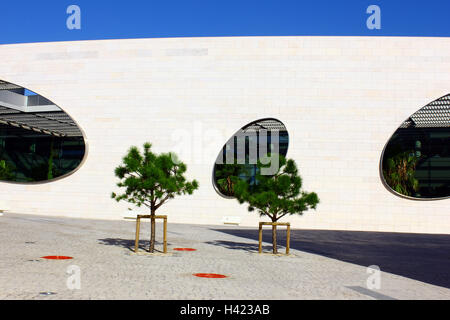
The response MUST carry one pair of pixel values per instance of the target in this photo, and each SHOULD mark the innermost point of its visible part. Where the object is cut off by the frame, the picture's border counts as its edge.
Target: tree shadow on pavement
(127, 243)
(249, 247)
(423, 257)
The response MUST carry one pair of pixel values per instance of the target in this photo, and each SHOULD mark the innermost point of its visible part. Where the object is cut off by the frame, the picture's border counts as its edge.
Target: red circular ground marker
(57, 257)
(184, 249)
(209, 275)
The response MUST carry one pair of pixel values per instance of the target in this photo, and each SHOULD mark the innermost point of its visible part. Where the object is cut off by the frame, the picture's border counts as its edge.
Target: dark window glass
(240, 154)
(416, 160)
(38, 141)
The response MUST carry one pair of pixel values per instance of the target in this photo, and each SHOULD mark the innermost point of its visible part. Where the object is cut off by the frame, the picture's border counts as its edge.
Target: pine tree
(151, 180)
(276, 196)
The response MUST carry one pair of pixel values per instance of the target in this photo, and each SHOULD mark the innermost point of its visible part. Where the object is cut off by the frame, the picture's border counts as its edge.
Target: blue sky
(38, 21)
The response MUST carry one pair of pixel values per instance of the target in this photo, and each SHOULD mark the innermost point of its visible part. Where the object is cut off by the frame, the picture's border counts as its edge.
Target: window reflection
(240, 154)
(416, 160)
(38, 141)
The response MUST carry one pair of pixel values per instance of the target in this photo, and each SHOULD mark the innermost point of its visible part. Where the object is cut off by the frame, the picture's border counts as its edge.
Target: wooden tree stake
(138, 224)
(288, 233)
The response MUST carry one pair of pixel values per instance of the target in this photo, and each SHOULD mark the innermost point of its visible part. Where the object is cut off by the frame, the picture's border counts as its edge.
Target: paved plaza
(109, 269)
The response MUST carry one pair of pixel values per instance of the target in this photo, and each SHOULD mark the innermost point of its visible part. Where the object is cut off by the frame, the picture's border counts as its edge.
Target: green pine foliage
(151, 180)
(278, 195)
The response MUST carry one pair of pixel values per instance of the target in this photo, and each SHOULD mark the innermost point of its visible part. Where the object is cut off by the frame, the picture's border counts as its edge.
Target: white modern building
(340, 100)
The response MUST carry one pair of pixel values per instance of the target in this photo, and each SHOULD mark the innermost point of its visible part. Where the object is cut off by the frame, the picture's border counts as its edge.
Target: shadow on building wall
(423, 257)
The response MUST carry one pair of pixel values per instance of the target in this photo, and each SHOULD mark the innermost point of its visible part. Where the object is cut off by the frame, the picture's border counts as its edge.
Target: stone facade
(340, 98)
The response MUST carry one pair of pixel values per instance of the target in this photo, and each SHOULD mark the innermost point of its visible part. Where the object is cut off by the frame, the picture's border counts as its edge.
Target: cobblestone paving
(110, 269)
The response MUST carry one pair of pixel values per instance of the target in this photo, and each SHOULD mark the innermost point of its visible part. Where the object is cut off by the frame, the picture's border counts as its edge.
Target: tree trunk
(152, 232)
(274, 238)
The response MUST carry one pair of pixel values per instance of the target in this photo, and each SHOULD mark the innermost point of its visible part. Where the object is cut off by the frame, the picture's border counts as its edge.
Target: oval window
(240, 155)
(38, 141)
(416, 160)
